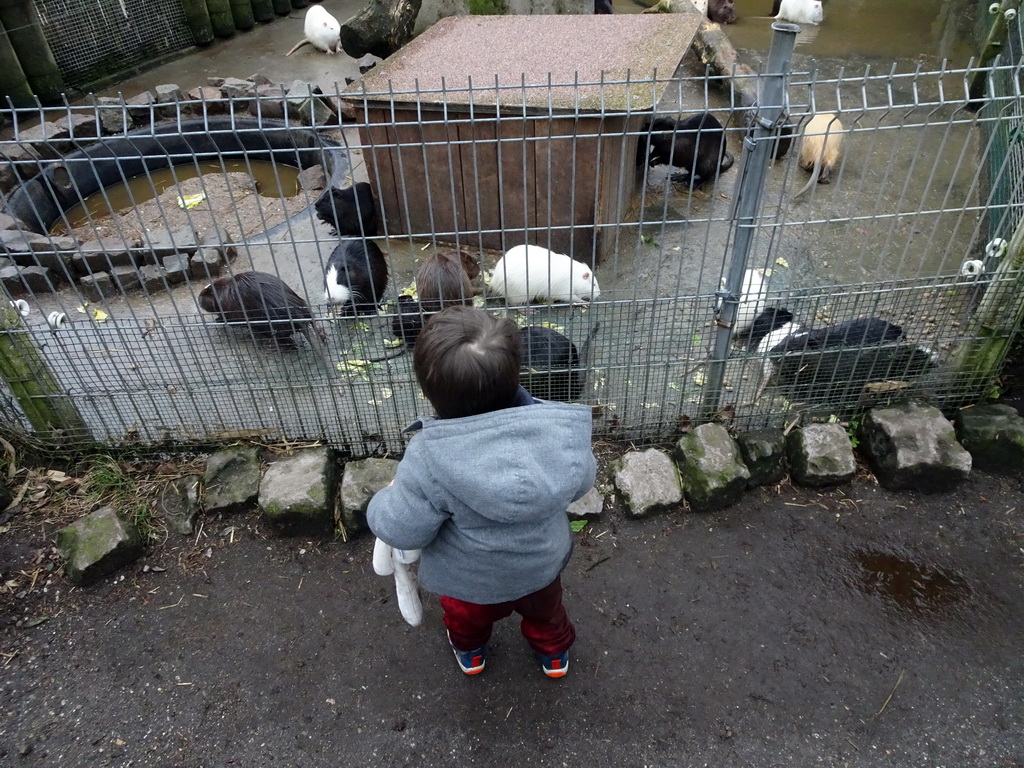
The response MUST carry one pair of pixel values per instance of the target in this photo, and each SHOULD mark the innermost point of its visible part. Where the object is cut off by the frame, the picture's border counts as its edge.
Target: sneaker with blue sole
(555, 666)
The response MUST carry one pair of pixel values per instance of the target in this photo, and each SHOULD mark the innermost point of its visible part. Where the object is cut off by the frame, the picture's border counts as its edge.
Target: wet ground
(847, 627)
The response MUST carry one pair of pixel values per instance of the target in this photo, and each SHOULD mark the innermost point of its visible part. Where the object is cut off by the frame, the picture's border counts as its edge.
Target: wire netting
(895, 238)
(92, 39)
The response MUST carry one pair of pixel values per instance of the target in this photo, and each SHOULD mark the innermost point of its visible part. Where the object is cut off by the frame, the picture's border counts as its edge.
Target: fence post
(769, 115)
(22, 365)
(996, 321)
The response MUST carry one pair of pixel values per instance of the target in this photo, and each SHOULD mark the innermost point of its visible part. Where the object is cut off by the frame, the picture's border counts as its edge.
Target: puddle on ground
(918, 588)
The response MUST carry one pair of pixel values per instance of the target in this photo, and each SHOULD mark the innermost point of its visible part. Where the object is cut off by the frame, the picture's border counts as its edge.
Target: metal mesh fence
(91, 39)
(482, 170)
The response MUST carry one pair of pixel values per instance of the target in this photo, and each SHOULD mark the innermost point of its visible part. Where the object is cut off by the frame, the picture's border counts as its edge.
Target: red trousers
(545, 623)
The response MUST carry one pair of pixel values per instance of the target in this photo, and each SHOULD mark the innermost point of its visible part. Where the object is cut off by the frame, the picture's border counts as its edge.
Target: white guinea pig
(799, 11)
(322, 31)
(529, 272)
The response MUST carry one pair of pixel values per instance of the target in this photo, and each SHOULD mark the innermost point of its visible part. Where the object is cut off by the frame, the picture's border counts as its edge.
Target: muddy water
(871, 29)
(272, 180)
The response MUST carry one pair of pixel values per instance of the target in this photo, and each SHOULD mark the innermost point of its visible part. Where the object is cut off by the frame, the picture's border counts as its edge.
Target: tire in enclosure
(39, 202)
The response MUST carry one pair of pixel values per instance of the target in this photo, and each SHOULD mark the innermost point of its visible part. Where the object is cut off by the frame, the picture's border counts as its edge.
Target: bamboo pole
(198, 17)
(220, 17)
(19, 19)
(22, 365)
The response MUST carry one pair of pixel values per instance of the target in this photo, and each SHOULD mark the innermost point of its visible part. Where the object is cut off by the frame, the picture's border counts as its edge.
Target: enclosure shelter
(531, 137)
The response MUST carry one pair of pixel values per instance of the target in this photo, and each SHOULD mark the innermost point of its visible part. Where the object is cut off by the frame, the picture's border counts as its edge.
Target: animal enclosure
(904, 234)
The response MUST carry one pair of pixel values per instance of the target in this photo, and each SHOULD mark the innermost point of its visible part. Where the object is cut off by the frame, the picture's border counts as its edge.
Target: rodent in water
(350, 212)
(442, 280)
(356, 276)
(270, 307)
(321, 30)
(820, 148)
(798, 11)
(551, 364)
(721, 11)
(529, 272)
(695, 145)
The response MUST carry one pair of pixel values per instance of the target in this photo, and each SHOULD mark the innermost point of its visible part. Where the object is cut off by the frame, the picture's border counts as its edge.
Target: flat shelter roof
(536, 50)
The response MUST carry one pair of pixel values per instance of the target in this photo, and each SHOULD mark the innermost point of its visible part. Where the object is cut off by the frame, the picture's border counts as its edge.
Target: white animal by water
(528, 272)
(798, 11)
(322, 31)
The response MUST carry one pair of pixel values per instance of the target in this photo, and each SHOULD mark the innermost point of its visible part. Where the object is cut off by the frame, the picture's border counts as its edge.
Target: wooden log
(26, 35)
(282, 7)
(220, 17)
(241, 12)
(13, 82)
(263, 10)
(22, 365)
(300, 3)
(197, 15)
(380, 28)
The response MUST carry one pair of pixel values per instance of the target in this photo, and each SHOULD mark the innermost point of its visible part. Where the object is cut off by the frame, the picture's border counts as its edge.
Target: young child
(483, 489)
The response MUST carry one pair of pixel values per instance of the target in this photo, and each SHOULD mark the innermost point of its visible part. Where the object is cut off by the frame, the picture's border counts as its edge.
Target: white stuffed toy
(386, 561)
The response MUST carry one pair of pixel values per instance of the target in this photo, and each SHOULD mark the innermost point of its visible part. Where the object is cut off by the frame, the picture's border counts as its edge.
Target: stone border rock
(56, 164)
(910, 446)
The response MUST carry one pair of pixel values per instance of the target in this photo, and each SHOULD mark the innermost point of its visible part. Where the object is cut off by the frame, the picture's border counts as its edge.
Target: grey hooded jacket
(484, 497)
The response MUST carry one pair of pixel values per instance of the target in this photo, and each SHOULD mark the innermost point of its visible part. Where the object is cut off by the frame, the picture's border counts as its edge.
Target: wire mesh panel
(885, 275)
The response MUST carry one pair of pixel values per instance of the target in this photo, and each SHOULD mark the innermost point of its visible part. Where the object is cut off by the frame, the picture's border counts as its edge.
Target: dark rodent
(721, 11)
(356, 276)
(551, 364)
(350, 212)
(603, 6)
(271, 308)
(442, 280)
(780, 143)
(696, 145)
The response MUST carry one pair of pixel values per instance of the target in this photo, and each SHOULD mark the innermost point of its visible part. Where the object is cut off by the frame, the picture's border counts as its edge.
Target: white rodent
(752, 298)
(820, 148)
(322, 31)
(799, 11)
(529, 272)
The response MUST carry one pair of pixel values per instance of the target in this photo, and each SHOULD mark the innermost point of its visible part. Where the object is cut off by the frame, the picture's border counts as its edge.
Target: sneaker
(471, 662)
(555, 666)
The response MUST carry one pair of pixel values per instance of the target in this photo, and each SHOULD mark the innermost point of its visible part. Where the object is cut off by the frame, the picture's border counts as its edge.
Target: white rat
(798, 11)
(528, 272)
(322, 31)
(752, 296)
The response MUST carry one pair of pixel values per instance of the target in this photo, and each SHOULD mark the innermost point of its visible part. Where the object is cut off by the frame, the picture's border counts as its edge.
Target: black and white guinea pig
(552, 368)
(528, 272)
(350, 212)
(356, 276)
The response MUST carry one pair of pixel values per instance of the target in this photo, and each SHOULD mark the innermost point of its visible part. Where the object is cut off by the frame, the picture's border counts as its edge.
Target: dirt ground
(841, 627)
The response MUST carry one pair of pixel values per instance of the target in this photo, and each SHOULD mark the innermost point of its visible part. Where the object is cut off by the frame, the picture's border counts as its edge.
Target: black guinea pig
(551, 364)
(356, 277)
(350, 212)
(695, 145)
(264, 301)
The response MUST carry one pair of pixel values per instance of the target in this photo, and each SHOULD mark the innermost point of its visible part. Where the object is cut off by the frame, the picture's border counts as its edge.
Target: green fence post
(22, 365)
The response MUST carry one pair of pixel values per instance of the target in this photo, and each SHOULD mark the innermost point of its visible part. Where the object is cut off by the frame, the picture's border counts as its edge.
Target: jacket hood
(533, 451)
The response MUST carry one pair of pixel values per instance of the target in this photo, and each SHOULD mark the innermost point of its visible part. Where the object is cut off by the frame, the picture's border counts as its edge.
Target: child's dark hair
(467, 362)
